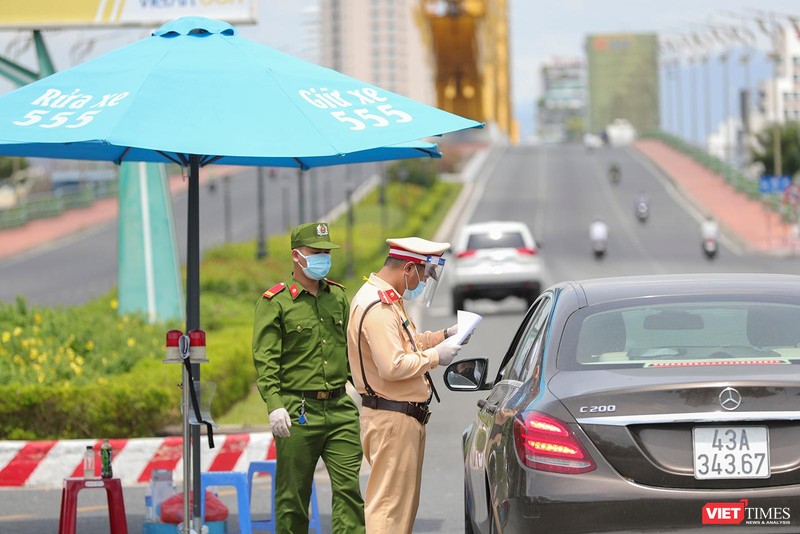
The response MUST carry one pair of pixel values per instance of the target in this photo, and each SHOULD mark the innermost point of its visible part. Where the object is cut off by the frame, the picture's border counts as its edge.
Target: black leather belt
(324, 394)
(417, 410)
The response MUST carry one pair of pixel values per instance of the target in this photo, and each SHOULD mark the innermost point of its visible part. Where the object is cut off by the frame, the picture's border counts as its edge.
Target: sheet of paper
(467, 321)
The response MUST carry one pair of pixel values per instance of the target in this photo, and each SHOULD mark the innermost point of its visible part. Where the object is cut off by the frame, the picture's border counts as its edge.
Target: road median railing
(51, 204)
(733, 176)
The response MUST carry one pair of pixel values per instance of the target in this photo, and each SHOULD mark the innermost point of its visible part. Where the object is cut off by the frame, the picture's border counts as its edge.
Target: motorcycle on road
(710, 247)
(599, 248)
(642, 211)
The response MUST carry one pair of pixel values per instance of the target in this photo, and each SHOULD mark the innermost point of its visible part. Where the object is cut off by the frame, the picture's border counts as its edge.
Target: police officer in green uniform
(300, 354)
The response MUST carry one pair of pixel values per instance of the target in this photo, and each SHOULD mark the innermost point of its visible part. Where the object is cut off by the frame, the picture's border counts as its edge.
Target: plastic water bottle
(88, 462)
(148, 505)
(105, 460)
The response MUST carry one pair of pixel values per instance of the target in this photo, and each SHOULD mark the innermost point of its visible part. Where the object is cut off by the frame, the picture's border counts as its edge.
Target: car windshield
(682, 334)
(495, 239)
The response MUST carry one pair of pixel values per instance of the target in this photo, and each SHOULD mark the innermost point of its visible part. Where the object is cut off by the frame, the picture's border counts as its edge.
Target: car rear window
(682, 334)
(498, 239)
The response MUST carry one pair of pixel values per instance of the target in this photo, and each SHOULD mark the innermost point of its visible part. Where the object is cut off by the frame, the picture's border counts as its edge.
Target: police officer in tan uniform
(390, 362)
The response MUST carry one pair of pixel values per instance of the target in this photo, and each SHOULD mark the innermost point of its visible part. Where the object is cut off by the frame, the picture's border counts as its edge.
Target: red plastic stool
(69, 503)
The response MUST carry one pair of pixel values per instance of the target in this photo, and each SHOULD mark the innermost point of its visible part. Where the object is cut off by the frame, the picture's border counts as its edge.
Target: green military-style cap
(314, 235)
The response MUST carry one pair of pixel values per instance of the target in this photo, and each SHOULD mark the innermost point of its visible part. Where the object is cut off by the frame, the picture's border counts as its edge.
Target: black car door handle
(491, 408)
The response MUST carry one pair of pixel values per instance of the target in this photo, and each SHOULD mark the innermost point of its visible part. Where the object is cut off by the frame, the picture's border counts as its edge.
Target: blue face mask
(318, 265)
(411, 294)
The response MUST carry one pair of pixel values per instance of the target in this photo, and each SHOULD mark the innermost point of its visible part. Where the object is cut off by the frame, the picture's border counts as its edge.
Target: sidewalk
(741, 218)
(39, 232)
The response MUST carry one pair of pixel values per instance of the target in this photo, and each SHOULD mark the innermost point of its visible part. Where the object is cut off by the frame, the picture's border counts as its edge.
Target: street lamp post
(707, 83)
(226, 208)
(693, 99)
(678, 99)
(726, 131)
(351, 219)
(776, 137)
(261, 250)
(301, 197)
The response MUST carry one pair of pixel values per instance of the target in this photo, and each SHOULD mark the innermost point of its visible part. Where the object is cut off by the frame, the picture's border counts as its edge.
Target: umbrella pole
(191, 433)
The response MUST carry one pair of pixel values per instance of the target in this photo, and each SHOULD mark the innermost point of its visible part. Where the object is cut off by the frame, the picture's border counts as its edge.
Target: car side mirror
(466, 375)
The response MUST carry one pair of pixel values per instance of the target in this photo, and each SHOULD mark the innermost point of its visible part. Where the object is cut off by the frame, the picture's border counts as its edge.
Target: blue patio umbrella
(196, 93)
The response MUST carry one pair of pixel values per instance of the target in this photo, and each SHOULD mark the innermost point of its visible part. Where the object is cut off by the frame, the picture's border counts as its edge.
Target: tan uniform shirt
(394, 369)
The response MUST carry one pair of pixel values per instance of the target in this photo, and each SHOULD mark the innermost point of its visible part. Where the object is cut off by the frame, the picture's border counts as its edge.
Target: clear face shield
(434, 266)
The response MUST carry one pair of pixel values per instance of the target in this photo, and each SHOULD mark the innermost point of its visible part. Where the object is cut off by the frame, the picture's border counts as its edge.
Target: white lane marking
(147, 243)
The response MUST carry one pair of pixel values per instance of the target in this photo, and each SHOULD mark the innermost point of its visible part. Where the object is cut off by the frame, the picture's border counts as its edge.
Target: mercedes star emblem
(730, 399)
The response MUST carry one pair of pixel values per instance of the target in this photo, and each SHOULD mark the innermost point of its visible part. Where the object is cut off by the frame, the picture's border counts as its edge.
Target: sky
(540, 30)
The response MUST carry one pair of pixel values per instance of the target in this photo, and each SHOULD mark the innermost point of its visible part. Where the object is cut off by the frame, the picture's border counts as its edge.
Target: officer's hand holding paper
(467, 321)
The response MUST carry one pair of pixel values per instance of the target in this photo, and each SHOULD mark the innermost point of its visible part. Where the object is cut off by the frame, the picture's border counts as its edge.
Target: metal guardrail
(44, 205)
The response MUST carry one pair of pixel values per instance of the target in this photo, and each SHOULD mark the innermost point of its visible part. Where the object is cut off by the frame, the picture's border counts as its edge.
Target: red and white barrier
(44, 464)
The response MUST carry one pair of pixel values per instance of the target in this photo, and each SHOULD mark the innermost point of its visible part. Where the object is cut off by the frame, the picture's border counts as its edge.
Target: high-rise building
(562, 105)
(623, 80)
(311, 33)
(377, 41)
(783, 105)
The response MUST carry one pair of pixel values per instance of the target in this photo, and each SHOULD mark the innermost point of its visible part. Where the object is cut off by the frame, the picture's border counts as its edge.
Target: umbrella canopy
(196, 87)
(196, 93)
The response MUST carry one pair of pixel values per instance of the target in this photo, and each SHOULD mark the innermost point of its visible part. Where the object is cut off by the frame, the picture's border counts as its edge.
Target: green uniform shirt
(300, 341)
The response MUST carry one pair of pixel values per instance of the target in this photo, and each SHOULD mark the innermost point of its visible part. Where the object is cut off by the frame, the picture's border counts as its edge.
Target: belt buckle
(323, 395)
(427, 418)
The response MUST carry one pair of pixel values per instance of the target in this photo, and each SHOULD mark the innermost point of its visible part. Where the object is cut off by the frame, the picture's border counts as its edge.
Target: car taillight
(547, 444)
(526, 250)
(466, 253)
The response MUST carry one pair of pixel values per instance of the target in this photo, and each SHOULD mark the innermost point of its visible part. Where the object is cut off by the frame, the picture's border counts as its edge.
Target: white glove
(279, 422)
(453, 330)
(447, 351)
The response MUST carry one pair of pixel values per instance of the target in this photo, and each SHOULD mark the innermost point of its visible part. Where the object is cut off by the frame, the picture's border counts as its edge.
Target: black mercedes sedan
(641, 404)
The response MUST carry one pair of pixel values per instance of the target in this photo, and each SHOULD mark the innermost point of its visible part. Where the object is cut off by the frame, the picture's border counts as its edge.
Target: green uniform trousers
(331, 432)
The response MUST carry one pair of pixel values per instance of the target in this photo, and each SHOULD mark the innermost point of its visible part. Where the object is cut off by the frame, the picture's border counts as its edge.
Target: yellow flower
(114, 304)
(37, 318)
(40, 378)
(90, 345)
(17, 330)
(131, 342)
(6, 337)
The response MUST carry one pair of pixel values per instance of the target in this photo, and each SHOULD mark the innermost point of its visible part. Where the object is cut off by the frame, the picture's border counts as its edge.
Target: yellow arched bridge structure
(469, 42)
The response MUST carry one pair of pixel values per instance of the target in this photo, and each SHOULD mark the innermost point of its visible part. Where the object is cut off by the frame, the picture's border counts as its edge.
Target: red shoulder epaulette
(334, 283)
(274, 290)
(294, 290)
(388, 296)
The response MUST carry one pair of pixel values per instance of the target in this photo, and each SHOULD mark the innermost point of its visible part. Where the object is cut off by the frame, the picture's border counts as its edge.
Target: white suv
(495, 260)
